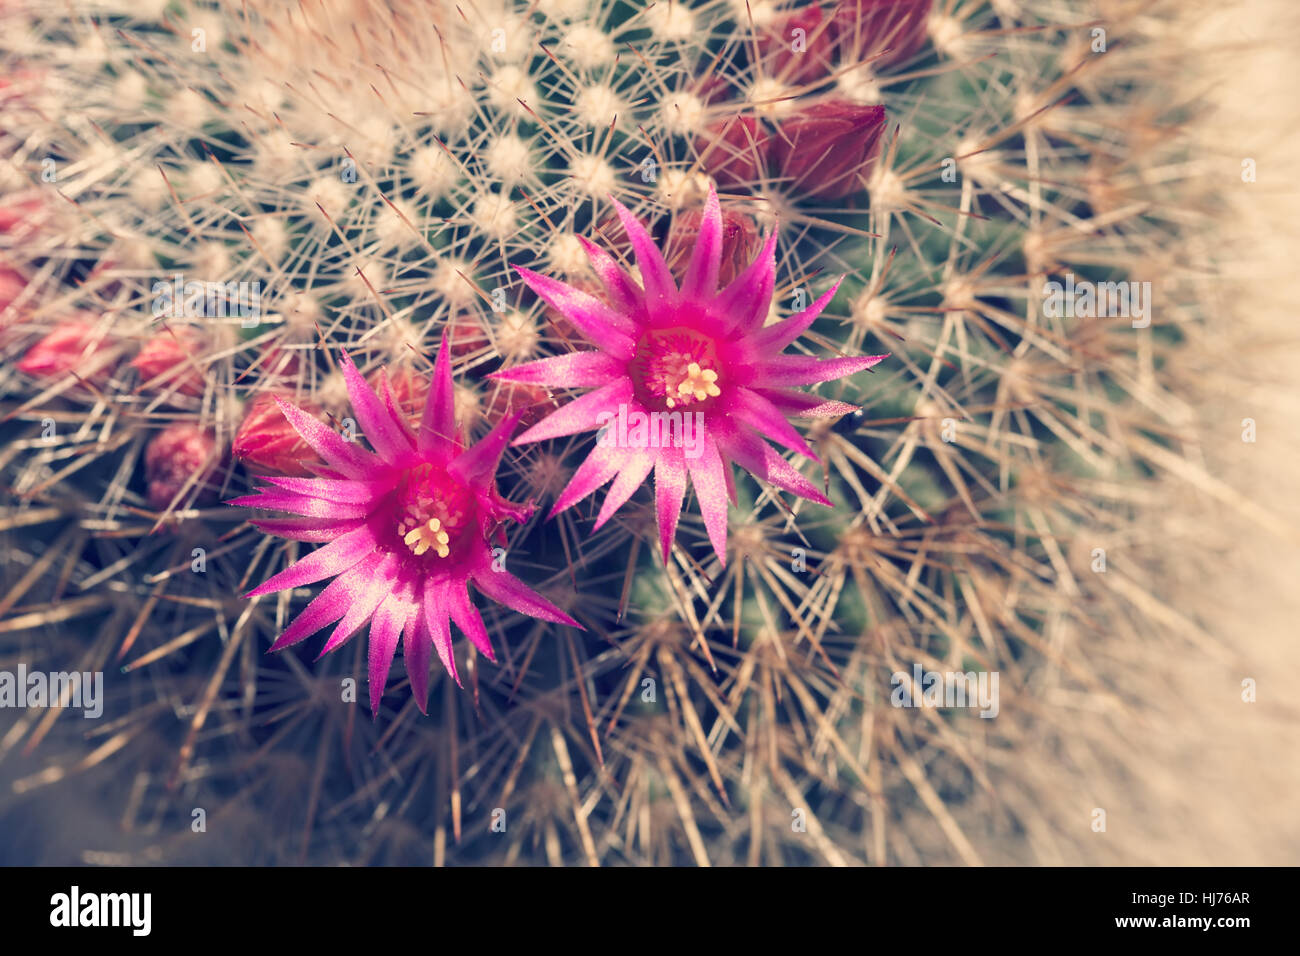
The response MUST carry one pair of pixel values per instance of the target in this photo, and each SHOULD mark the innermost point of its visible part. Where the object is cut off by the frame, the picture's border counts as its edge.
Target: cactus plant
(220, 221)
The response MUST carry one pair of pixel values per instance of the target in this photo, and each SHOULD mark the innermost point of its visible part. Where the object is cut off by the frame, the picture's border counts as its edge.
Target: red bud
(734, 151)
(714, 88)
(281, 365)
(465, 335)
(267, 443)
(739, 243)
(16, 84)
(798, 48)
(505, 398)
(70, 347)
(20, 215)
(866, 28)
(164, 362)
(175, 454)
(12, 285)
(410, 390)
(828, 151)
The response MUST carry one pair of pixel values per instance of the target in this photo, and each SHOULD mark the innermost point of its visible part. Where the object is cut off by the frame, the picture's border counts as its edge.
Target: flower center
(677, 367)
(426, 536)
(432, 510)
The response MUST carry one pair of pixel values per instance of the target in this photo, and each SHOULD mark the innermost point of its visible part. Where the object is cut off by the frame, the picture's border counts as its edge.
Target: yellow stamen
(698, 384)
(428, 535)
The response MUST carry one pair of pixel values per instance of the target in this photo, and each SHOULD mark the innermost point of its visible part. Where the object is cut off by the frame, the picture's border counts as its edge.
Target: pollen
(428, 535)
(676, 367)
(697, 385)
(431, 510)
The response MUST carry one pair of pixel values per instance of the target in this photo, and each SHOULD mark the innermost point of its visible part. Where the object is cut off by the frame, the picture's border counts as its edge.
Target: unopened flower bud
(734, 151)
(20, 215)
(889, 30)
(267, 444)
(712, 89)
(280, 366)
(75, 345)
(12, 285)
(829, 150)
(172, 460)
(410, 389)
(165, 362)
(799, 47)
(465, 336)
(505, 398)
(739, 243)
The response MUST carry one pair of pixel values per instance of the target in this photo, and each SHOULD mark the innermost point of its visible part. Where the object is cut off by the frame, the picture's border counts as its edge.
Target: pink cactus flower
(405, 528)
(693, 351)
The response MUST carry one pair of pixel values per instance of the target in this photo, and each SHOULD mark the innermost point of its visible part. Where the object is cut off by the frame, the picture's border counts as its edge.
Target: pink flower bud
(267, 444)
(532, 401)
(560, 325)
(828, 151)
(465, 336)
(868, 28)
(20, 215)
(72, 346)
(164, 362)
(739, 243)
(12, 285)
(410, 390)
(734, 151)
(174, 456)
(15, 85)
(798, 48)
